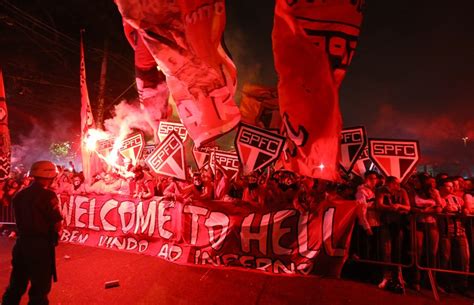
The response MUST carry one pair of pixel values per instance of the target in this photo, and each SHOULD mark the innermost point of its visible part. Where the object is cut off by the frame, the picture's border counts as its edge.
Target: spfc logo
(165, 128)
(104, 147)
(363, 163)
(394, 157)
(353, 142)
(147, 150)
(256, 147)
(202, 155)
(132, 147)
(228, 160)
(168, 158)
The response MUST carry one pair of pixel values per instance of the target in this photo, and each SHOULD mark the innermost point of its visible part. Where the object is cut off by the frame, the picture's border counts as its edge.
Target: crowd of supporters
(434, 211)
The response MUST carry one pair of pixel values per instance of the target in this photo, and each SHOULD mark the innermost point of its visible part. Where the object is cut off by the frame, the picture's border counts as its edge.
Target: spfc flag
(202, 155)
(147, 150)
(313, 44)
(105, 146)
(363, 163)
(90, 162)
(257, 148)
(132, 147)
(353, 142)
(165, 128)
(168, 158)
(394, 157)
(228, 160)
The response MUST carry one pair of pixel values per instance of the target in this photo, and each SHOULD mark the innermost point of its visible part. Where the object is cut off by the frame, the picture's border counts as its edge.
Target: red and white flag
(152, 90)
(184, 38)
(90, 162)
(168, 157)
(313, 44)
(259, 106)
(5, 145)
(395, 157)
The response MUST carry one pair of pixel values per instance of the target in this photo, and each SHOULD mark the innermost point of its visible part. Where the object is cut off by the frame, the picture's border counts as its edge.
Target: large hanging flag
(5, 145)
(259, 106)
(184, 38)
(90, 162)
(313, 44)
(152, 90)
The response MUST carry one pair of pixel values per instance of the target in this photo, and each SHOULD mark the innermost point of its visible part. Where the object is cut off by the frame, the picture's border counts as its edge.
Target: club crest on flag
(104, 147)
(165, 128)
(132, 147)
(202, 155)
(363, 163)
(256, 147)
(228, 160)
(147, 150)
(168, 158)
(394, 157)
(353, 142)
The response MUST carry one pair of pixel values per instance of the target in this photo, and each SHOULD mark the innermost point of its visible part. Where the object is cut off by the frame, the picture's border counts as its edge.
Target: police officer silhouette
(38, 220)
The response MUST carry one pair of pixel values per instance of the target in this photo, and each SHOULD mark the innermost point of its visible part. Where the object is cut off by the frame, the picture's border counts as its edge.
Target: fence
(439, 244)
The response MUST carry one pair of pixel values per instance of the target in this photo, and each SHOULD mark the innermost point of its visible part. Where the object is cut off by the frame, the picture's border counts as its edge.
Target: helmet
(43, 169)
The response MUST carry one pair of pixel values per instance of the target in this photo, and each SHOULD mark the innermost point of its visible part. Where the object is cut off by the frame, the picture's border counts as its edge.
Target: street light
(464, 139)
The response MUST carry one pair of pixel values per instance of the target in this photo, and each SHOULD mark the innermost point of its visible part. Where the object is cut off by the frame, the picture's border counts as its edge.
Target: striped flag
(5, 145)
(90, 162)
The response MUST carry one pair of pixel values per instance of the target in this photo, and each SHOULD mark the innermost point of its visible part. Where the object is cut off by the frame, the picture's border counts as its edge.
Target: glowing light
(321, 166)
(92, 137)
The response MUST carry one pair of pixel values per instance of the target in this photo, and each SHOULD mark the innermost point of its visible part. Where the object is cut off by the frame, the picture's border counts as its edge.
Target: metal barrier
(435, 243)
(390, 245)
(7, 215)
(452, 230)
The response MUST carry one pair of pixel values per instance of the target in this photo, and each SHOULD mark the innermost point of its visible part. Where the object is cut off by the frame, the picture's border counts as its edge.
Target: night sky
(410, 78)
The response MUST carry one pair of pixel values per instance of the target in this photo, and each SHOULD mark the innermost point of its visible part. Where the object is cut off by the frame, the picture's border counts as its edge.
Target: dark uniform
(36, 212)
